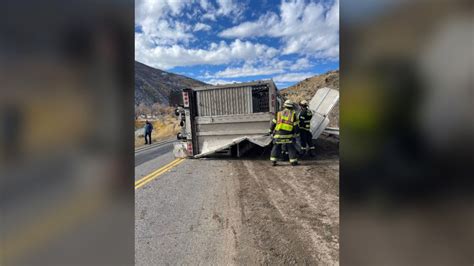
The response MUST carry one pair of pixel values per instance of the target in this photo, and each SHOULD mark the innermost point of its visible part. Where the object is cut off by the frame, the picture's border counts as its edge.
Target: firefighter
(284, 128)
(305, 116)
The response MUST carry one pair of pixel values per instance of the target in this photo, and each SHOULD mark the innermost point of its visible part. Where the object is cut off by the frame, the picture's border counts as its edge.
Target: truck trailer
(226, 119)
(231, 119)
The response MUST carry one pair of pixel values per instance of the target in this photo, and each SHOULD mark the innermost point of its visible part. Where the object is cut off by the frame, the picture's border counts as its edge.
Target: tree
(155, 109)
(142, 109)
(160, 109)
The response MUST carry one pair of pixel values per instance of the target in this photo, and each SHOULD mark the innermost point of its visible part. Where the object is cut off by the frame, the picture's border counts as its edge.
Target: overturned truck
(231, 119)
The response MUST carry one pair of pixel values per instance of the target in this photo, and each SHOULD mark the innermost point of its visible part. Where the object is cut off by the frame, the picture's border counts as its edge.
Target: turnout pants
(277, 149)
(306, 140)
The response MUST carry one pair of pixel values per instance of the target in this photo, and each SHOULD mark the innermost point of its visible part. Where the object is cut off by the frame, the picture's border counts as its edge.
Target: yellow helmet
(288, 103)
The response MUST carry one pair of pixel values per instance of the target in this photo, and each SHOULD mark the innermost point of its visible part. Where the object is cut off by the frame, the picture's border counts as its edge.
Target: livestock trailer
(226, 119)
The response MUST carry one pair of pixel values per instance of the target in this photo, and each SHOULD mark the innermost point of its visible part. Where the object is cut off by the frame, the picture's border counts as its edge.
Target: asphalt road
(157, 150)
(235, 211)
(183, 215)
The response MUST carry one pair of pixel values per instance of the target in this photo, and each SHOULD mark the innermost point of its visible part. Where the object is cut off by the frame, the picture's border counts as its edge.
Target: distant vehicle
(231, 119)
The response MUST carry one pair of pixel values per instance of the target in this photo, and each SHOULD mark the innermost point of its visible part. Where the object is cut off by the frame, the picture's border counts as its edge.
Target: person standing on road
(306, 137)
(148, 130)
(285, 130)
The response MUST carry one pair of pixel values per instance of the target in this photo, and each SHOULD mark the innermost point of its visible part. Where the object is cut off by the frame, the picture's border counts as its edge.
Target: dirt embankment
(290, 215)
(306, 89)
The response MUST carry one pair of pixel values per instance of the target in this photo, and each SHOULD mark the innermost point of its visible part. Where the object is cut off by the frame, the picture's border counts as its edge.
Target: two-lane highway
(156, 150)
(153, 160)
(186, 211)
(223, 211)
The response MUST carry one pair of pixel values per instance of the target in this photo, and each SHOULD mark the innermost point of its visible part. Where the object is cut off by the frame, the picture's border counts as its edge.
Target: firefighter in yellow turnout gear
(285, 128)
(306, 137)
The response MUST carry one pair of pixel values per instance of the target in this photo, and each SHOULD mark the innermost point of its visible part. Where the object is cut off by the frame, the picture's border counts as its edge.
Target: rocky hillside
(153, 85)
(308, 87)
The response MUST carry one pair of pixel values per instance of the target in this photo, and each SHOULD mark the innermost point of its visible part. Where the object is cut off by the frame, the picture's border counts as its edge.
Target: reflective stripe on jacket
(285, 125)
(305, 119)
(285, 120)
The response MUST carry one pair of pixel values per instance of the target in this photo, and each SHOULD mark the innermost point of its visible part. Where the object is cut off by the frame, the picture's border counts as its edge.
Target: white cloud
(166, 57)
(302, 63)
(292, 77)
(261, 68)
(146, 9)
(154, 18)
(252, 29)
(228, 7)
(309, 30)
(220, 81)
(158, 18)
(225, 8)
(209, 16)
(201, 27)
(162, 32)
(248, 70)
(305, 28)
(204, 4)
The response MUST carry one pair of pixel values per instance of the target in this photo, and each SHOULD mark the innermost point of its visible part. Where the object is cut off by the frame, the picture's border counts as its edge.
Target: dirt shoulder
(290, 215)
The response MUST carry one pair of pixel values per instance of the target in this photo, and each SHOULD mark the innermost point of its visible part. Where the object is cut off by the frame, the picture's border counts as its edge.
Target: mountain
(308, 87)
(154, 85)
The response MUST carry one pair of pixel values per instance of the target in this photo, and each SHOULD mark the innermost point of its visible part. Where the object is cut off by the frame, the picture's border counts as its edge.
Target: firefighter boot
(274, 163)
(294, 162)
(303, 151)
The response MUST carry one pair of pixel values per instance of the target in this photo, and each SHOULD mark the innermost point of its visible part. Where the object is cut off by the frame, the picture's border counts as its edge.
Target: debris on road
(291, 216)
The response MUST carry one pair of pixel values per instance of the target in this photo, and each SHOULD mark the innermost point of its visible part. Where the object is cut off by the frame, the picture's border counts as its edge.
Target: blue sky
(225, 41)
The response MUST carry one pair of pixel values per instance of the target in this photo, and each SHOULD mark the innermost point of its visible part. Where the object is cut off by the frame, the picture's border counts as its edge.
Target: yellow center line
(157, 173)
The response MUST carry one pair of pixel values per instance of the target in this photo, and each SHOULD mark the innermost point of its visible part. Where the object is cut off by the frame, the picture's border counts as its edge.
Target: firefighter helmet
(304, 103)
(288, 103)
